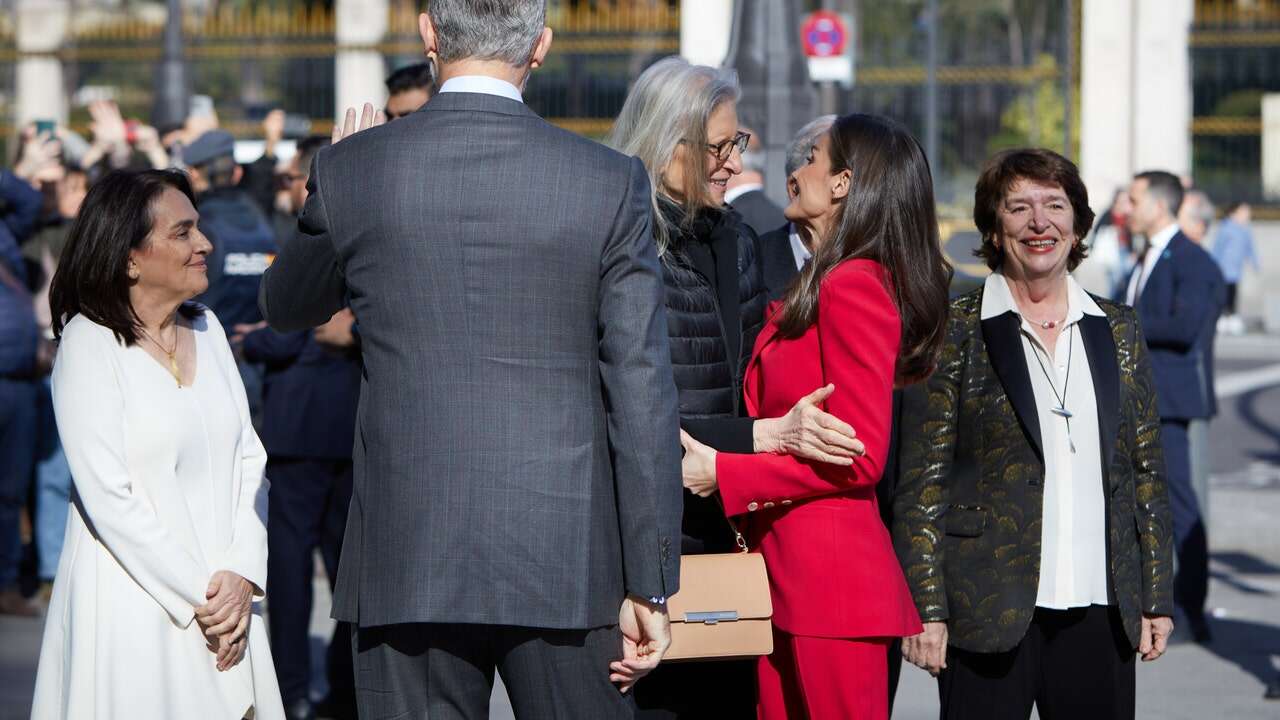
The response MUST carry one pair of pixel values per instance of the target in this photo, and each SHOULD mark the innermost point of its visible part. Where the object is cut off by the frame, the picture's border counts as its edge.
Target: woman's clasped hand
(224, 619)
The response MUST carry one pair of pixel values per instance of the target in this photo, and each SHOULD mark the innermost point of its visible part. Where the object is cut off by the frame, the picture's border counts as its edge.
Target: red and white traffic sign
(823, 34)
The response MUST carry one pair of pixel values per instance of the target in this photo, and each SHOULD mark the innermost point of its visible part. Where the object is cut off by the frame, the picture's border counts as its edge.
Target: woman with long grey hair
(681, 121)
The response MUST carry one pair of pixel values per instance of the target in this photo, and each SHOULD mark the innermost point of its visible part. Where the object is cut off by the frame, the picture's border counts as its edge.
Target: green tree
(1036, 118)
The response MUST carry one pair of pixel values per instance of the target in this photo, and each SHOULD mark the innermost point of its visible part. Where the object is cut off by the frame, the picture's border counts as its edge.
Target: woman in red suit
(867, 313)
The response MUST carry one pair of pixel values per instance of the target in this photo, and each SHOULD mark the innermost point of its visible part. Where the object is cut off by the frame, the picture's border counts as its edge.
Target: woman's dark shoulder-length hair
(93, 271)
(1045, 167)
(889, 217)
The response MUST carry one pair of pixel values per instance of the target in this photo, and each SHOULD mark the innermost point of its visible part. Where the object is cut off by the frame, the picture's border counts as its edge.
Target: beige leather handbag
(723, 610)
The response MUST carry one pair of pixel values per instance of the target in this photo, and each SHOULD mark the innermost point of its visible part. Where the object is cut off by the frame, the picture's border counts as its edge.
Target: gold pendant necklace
(171, 354)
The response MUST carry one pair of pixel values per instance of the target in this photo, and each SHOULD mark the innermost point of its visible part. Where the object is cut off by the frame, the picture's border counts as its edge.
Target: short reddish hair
(1046, 167)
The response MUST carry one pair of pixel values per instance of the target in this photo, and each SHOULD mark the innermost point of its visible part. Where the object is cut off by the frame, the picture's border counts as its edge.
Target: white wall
(1135, 91)
(42, 27)
(705, 26)
(359, 74)
(1271, 146)
(1162, 86)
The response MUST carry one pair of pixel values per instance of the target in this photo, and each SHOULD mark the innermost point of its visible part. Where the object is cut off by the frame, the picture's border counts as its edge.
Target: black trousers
(308, 510)
(1071, 664)
(445, 672)
(1191, 542)
(694, 690)
(895, 670)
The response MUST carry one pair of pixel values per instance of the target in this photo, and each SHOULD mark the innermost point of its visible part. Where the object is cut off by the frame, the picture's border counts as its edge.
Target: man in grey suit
(517, 473)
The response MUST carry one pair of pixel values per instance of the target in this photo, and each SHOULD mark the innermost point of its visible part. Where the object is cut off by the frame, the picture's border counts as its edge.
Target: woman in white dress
(152, 614)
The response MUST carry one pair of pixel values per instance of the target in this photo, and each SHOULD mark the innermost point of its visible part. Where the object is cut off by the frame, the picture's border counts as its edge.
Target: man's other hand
(337, 334)
(646, 635)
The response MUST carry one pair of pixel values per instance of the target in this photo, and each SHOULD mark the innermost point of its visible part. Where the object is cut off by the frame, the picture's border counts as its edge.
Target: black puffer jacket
(715, 298)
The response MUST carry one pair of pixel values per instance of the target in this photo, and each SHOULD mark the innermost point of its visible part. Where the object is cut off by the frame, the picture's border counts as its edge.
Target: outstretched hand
(39, 159)
(807, 431)
(368, 118)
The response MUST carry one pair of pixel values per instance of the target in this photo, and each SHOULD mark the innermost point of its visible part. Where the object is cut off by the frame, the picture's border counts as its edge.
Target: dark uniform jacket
(244, 246)
(967, 510)
(19, 333)
(310, 395)
(715, 299)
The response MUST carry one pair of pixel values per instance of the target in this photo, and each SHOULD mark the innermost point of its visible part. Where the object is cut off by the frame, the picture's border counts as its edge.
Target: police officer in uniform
(244, 245)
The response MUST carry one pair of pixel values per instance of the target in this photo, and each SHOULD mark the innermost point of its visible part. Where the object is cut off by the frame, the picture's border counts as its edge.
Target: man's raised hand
(368, 118)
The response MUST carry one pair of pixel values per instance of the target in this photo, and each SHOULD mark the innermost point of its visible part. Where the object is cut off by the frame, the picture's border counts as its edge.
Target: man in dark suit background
(517, 474)
(782, 251)
(745, 191)
(310, 390)
(1178, 292)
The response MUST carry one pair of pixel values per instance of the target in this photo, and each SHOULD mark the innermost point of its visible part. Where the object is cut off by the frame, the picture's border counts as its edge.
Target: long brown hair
(889, 217)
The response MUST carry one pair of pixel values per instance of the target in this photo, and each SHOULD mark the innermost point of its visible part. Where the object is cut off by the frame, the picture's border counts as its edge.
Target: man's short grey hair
(670, 104)
(1202, 208)
(798, 150)
(505, 30)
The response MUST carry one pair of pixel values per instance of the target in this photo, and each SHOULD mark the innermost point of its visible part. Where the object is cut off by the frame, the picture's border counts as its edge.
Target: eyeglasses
(723, 150)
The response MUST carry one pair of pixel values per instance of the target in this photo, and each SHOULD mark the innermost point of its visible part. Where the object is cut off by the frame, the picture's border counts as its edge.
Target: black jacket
(778, 261)
(244, 245)
(310, 395)
(970, 490)
(715, 301)
(758, 212)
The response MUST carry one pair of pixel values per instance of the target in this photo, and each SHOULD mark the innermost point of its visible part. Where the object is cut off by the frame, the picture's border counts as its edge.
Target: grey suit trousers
(445, 672)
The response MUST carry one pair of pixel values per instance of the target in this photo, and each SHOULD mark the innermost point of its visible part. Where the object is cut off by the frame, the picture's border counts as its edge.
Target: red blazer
(832, 568)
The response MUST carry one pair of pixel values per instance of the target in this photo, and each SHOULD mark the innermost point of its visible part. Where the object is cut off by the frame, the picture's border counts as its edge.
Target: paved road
(1222, 680)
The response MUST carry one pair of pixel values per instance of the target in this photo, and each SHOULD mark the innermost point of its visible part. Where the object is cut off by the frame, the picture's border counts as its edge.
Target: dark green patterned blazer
(967, 508)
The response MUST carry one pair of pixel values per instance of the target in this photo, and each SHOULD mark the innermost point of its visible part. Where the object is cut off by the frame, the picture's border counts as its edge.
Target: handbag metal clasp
(713, 617)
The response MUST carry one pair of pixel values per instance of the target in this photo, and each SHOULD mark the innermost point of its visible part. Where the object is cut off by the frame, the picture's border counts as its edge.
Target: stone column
(1271, 146)
(1162, 86)
(1135, 91)
(42, 28)
(705, 26)
(1106, 97)
(359, 71)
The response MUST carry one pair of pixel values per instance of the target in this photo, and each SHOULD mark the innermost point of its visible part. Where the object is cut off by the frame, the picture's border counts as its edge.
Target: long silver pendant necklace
(1061, 410)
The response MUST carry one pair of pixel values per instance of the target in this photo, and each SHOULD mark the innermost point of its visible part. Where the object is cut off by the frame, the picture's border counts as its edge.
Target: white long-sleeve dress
(169, 489)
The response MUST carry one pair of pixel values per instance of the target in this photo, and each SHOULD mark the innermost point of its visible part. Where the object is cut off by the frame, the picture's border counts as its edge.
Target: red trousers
(813, 678)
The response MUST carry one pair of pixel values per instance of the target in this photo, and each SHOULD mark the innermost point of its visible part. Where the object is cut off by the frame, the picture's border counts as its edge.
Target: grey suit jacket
(517, 454)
